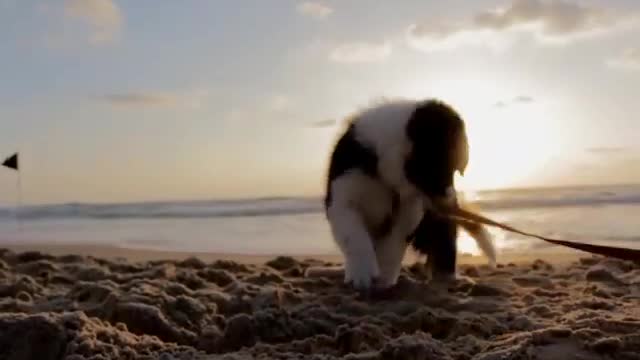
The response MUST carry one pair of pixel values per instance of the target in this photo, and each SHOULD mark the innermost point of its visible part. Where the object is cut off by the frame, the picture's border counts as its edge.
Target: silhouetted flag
(11, 162)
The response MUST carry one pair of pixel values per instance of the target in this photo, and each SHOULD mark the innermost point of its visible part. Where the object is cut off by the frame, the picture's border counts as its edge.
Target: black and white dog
(392, 165)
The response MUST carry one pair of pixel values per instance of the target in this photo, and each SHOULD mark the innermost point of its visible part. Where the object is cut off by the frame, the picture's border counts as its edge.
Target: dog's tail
(481, 235)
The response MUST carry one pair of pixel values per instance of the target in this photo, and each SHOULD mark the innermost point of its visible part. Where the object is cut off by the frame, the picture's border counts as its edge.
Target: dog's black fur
(437, 134)
(439, 150)
(349, 154)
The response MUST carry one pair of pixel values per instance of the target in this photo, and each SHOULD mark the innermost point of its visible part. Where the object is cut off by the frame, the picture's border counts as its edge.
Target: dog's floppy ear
(462, 152)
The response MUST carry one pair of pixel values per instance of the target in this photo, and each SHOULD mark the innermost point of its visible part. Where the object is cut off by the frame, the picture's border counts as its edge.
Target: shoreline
(140, 254)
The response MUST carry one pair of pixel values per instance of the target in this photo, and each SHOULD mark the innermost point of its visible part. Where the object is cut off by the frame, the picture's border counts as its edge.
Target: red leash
(610, 251)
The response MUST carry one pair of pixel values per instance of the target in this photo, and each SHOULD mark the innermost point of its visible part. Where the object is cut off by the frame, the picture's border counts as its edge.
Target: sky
(113, 100)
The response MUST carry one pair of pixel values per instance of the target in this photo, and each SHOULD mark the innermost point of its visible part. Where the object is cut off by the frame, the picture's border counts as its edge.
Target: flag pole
(19, 204)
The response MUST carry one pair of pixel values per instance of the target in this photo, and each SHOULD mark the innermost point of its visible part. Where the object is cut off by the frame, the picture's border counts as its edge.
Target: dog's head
(439, 148)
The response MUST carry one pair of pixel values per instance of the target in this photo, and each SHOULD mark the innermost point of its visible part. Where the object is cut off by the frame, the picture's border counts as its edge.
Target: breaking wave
(490, 200)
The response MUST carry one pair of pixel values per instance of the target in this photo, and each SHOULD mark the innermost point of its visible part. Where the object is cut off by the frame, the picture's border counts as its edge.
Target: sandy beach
(84, 302)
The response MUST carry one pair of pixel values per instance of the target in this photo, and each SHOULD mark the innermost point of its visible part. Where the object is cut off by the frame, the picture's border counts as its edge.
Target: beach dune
(66, 303)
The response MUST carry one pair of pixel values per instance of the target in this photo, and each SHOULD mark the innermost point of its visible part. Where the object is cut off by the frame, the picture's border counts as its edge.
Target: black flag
(11, 162)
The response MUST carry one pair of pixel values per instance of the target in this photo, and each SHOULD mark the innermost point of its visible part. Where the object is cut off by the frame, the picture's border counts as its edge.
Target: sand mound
(77, 307)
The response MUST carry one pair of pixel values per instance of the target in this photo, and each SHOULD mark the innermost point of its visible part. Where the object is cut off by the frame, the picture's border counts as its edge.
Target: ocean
(297, 226)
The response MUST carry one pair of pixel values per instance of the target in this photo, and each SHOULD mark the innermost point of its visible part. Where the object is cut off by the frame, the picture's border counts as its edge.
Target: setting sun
(507, 147)
(510, 137)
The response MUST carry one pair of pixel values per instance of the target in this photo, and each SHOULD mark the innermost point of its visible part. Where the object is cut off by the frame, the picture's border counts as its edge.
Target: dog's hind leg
(436, 237)
(442, 258)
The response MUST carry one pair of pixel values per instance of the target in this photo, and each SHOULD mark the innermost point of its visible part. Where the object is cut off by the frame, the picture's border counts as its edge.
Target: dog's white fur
(359, 200)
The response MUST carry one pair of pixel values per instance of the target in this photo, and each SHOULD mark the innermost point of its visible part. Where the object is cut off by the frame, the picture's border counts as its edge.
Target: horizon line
(318, 196)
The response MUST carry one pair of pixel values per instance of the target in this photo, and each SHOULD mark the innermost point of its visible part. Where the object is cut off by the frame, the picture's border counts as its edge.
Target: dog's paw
(386, 281)
(362, 275)
(443, 278)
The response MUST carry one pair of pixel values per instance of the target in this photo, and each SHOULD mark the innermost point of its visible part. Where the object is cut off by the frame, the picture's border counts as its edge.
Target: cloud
(140, 99)
(155, 99)
(628, 59)
(554, 18)
(550, 21)
(279, 103)
(102, 16)
(440, 35)
(607, 150)
(323, 124)
(360, 52)
(521, 99)
(314, 9)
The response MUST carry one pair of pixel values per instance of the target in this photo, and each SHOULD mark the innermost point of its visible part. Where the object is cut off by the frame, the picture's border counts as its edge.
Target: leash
(462, 215)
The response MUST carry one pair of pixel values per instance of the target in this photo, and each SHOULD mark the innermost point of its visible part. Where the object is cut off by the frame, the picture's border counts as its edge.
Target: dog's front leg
(390, 252)
(391, 249)
(361, 267)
